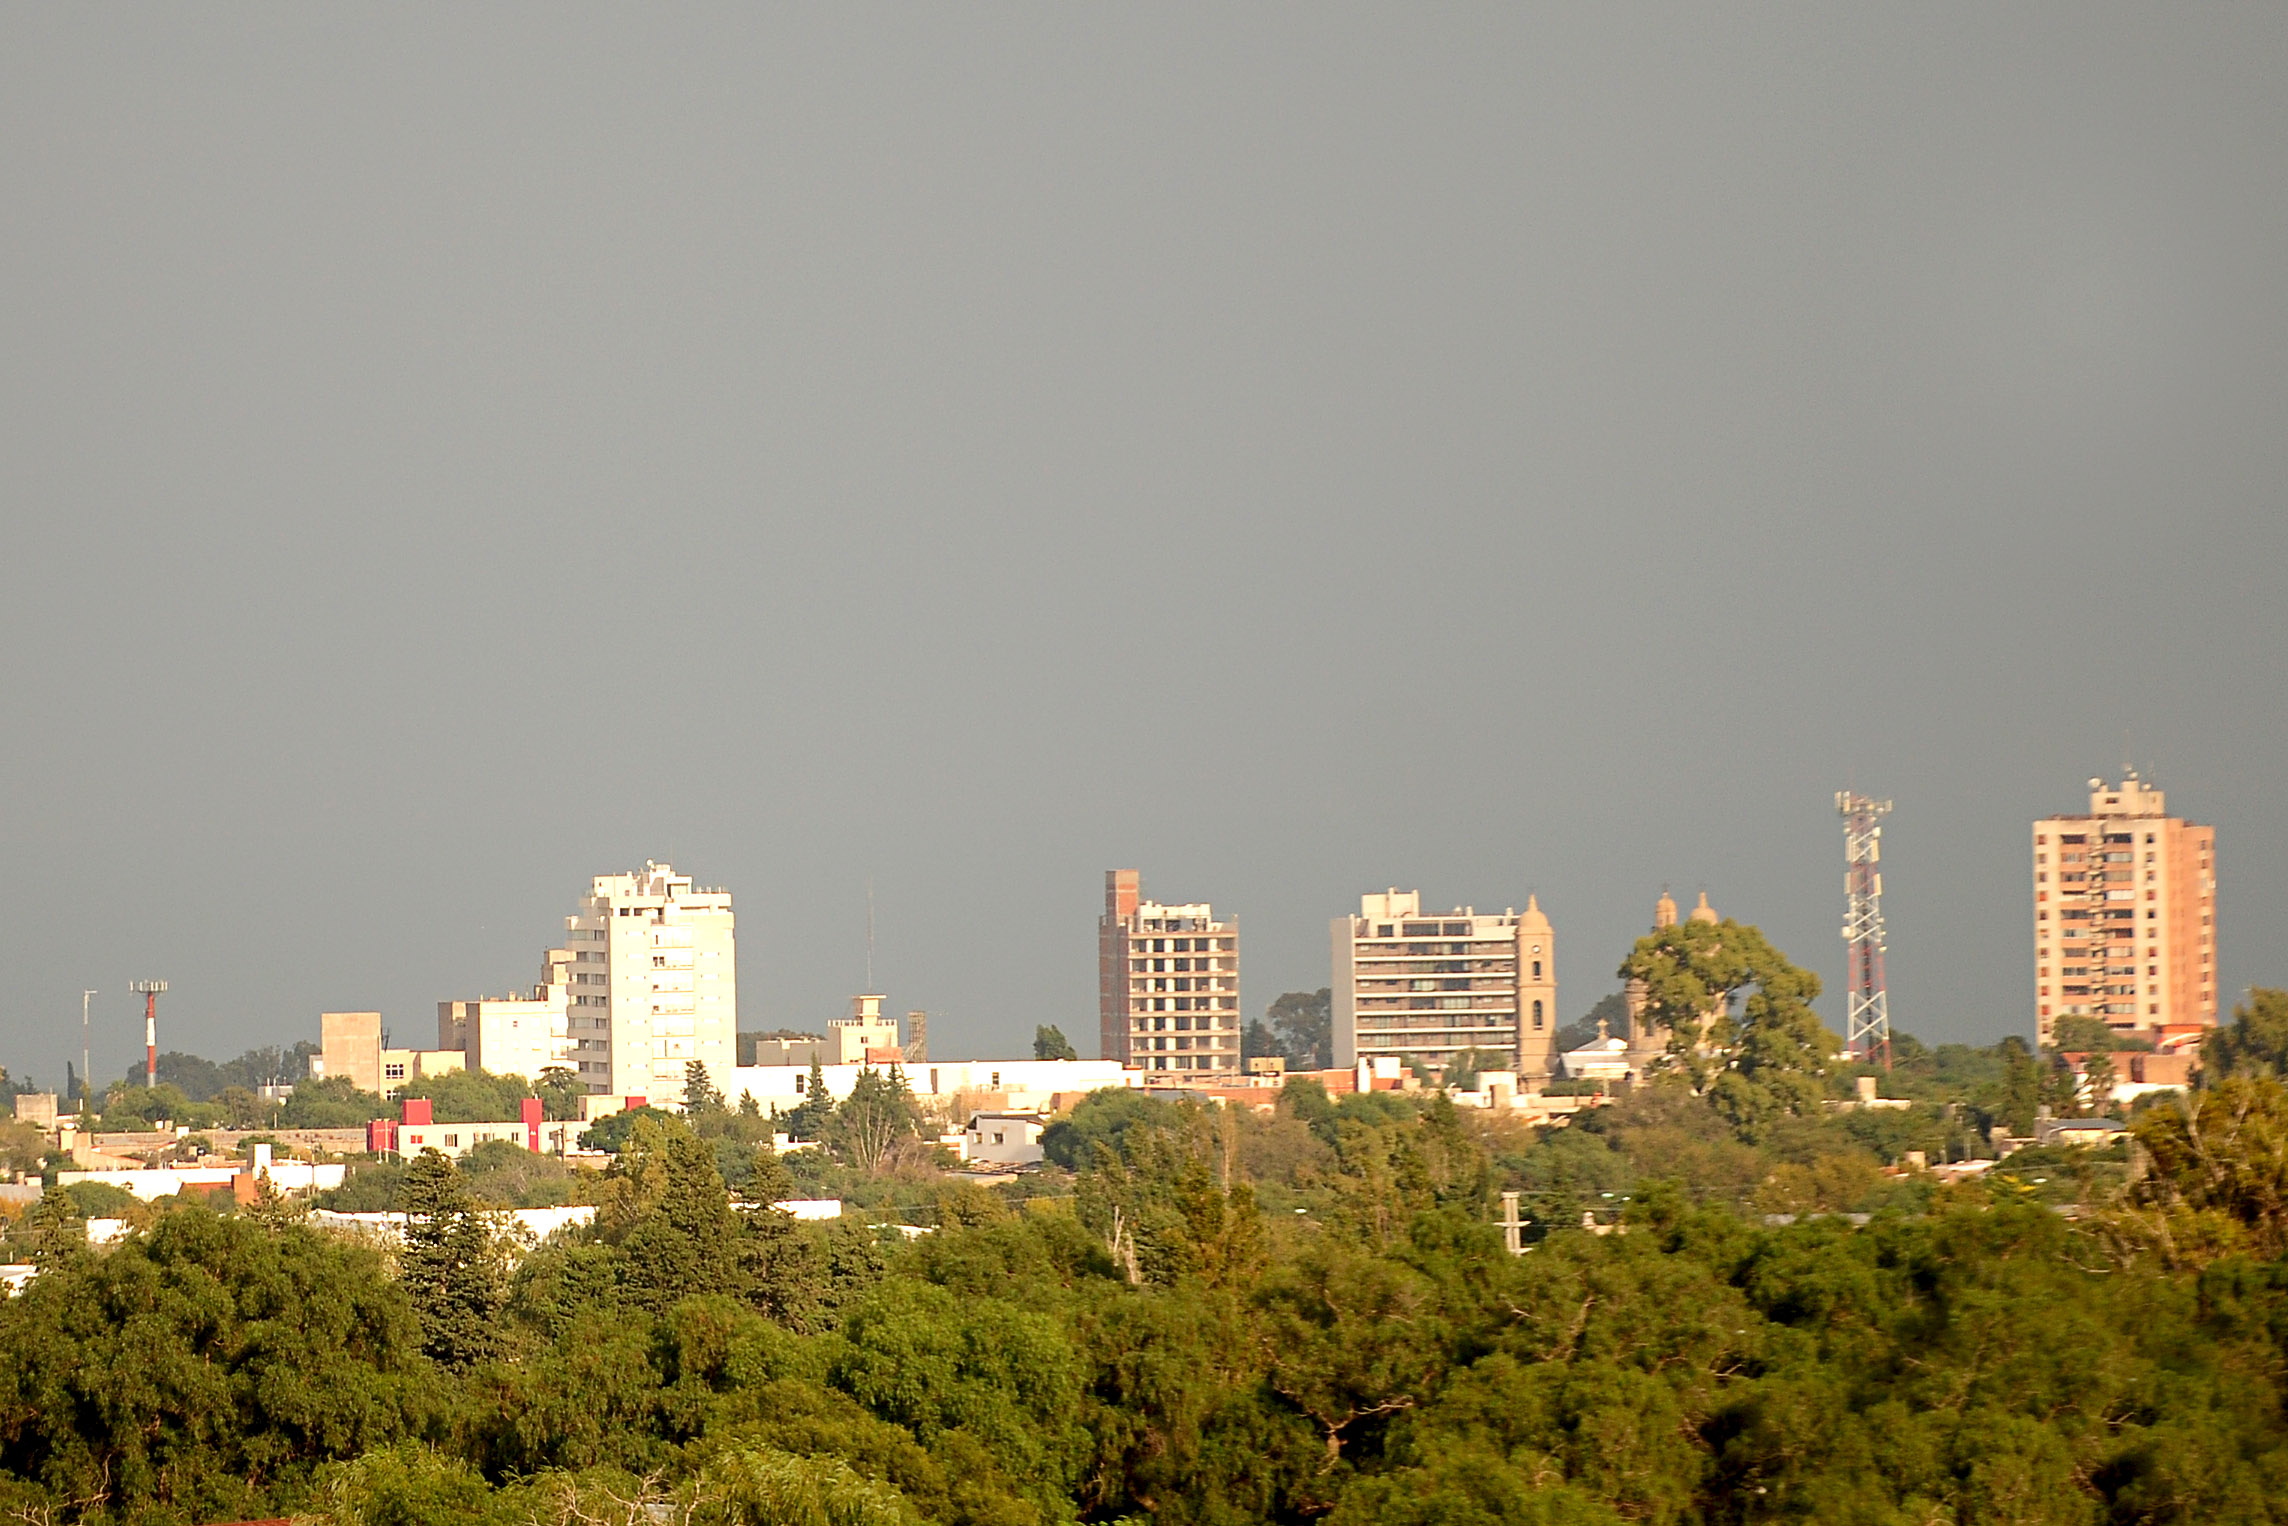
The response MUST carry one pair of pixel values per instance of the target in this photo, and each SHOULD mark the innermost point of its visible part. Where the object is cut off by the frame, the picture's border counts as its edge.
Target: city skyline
(560, 977)
(1505, 452)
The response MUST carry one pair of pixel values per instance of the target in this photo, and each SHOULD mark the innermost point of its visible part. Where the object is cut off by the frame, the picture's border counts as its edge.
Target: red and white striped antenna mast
(149, 990)
(1867, 1003)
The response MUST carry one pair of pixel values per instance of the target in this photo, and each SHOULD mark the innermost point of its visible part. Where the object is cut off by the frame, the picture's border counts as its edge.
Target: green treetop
(700, 1094)
(1738, 1016)
(560, 1093)
(2254, 1044)
(879, 1113)
(810, 1116)
(450, 1263)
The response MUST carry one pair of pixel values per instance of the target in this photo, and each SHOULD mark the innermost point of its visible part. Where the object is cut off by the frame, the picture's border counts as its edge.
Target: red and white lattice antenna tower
(149, 990)
(1867, 1005)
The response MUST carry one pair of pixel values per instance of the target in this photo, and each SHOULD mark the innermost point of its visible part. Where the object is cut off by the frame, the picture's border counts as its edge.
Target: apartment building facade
(650, 970)
(512, 1035)
(1432, 986)
(1167, 985)
(2125, 915)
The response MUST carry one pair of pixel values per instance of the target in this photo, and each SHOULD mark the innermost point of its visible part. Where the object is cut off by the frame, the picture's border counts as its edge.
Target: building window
(1537, 1015)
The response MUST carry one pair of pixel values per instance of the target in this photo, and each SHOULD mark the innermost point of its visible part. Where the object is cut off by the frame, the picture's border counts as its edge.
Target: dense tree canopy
(1214, 1315)
(196, 1371)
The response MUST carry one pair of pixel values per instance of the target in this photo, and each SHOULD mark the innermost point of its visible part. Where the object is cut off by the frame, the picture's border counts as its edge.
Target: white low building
(1003, 1139)
(811, 1208)
(1024, 1084)
(156, 1182)
(454, 1140)
(539, 1223)
(1601, 1059)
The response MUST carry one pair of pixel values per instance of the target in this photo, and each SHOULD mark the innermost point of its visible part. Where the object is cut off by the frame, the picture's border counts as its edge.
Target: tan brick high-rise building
(2125, 914)
(1167, 981)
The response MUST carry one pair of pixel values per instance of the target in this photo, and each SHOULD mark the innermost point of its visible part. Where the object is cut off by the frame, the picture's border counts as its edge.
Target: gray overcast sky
(452, 452)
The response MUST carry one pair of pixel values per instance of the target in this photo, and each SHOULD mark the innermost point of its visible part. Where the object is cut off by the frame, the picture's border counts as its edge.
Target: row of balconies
(1430, 1044)
(1164, 1043)
(1481, 947)
(1442, 966)
(1435, 983)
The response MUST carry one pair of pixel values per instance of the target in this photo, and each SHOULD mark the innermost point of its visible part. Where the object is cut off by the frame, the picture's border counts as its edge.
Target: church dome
(1704, 912)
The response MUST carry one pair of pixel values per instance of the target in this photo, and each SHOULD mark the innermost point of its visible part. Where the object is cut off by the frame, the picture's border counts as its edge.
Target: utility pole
(149, 990)
(84, 998)
(1867, 1002)
(1512, 1227)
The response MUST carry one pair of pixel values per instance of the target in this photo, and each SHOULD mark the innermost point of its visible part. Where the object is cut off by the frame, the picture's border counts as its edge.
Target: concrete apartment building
(646, 982)
(2125, 915)
(1432, 985)
(512, 1035)
(1167, 981)
(650, 965)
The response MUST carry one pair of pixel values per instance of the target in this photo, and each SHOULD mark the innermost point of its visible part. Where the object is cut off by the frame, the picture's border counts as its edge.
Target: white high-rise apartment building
(1434, 985)
(652, 970)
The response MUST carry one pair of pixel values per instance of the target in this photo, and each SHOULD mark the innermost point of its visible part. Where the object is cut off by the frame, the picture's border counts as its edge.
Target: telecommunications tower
(149, 990)
(1867, 1005)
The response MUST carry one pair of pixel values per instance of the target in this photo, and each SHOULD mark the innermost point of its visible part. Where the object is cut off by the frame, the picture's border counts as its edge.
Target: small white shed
(1005, 1139)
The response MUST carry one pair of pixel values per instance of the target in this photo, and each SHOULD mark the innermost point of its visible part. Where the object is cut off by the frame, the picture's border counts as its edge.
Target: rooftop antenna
(1867, 1001)
(869, 933)
(84, 998)
(149, 990)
